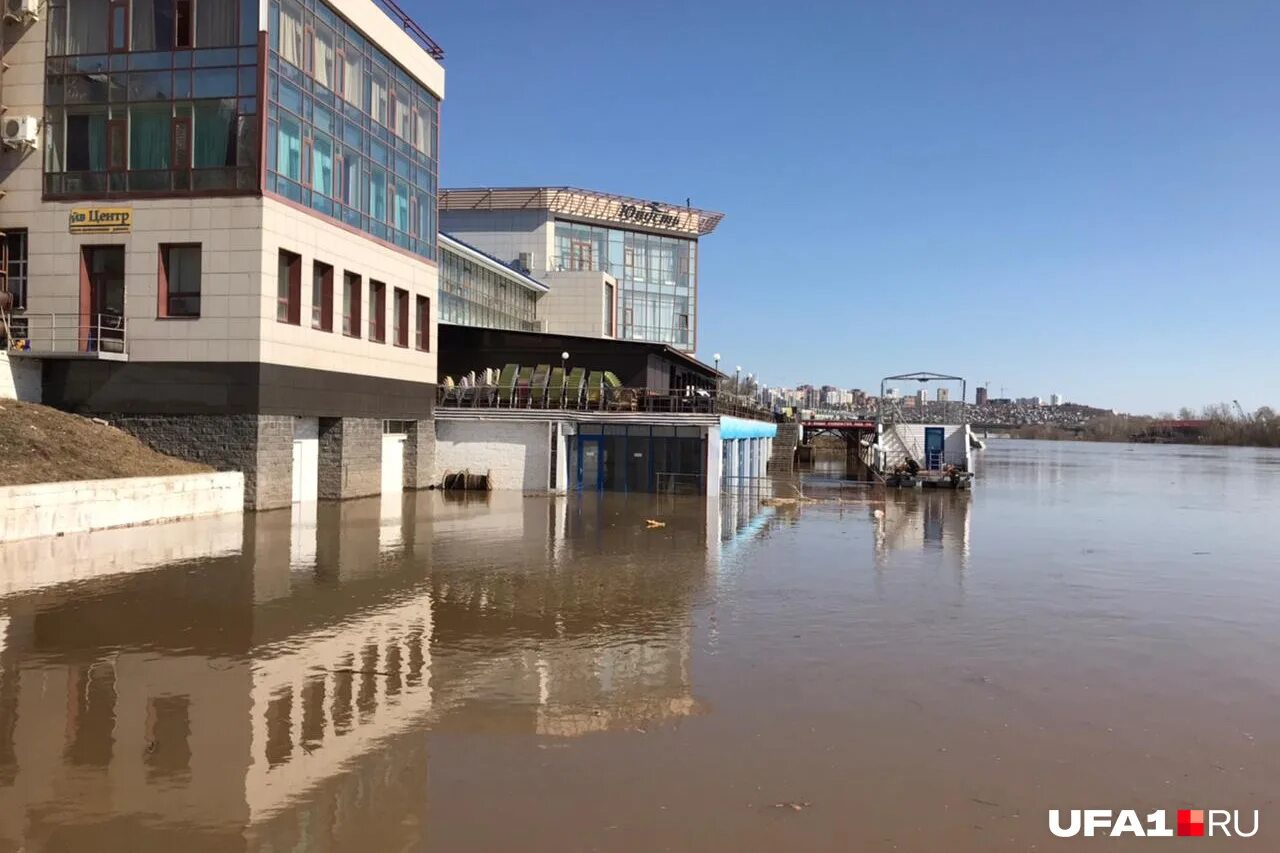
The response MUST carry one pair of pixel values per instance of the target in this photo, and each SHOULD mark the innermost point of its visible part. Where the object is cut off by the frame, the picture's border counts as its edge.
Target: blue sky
(1080, 198)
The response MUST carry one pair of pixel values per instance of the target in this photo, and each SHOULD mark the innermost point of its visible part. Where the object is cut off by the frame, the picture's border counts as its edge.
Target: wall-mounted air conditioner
(22, 10)
(19, 131)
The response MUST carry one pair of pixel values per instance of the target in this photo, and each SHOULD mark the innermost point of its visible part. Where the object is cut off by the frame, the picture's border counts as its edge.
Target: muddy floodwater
(1095, 626)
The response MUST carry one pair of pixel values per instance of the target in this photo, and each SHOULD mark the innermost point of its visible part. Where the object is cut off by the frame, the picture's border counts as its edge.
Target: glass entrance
(102, 319)
(591, 463)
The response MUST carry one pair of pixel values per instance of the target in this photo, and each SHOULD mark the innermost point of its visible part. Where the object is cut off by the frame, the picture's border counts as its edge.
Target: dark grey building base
(260, 446)
(240, 416)
(350, 458)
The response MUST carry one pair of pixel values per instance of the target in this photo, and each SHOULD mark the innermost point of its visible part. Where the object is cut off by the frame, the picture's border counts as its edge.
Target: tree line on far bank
(1219, 424)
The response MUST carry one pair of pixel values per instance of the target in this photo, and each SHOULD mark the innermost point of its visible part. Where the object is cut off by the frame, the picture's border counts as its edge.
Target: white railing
(69, 334)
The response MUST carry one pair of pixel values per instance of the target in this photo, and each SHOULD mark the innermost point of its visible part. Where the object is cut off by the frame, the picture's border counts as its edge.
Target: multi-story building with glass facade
(616, 266)
(476, 289)
(220, 216)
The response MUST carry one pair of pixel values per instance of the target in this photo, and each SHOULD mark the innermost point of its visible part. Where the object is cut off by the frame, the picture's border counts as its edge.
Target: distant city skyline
(1073, 198)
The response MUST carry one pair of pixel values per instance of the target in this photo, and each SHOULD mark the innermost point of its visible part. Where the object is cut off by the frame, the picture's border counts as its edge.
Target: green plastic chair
(595, 390)
(555, 388)
(573, 387)
(507, 384)
(524, 385)
(538, 392)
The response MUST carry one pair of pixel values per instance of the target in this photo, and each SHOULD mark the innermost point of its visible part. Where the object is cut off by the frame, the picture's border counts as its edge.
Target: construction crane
(1240, 411)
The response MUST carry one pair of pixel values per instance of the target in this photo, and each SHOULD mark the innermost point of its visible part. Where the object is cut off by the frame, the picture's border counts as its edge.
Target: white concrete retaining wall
(19, 378)
(50, 509)
(516, 455)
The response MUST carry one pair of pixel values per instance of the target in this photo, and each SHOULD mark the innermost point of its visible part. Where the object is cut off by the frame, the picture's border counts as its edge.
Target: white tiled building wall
(514, 455)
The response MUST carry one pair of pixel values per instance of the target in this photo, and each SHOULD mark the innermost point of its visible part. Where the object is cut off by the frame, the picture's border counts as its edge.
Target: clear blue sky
(1071, 197)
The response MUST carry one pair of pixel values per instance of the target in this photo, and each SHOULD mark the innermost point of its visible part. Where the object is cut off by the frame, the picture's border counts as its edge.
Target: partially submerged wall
(515, 454)
(53, 509)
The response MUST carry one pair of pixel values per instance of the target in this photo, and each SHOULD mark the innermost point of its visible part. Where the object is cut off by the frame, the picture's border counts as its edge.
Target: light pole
(717, 358)
(564, 380)
(737, 377)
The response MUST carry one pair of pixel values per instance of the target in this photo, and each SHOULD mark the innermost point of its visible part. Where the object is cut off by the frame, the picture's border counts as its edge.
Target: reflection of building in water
(268, 698)
(912, 520)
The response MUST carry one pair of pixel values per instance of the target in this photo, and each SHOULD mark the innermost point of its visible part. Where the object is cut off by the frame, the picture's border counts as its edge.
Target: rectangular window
(86, 29)
(15, 246)
(182, 24)
(117, 145)
(322, 297)
(179, 280)
(118, 25)
(400, 319)
(289, 289)
(351, 304)
(291, 34)
(180, 143)
(377, 312)
(352, 78)
(289, 148)
(424, 324)
(323, 57)
(609, 312)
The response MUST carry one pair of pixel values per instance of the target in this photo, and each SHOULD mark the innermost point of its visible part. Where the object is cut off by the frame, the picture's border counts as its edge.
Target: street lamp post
(737, 378)
(564, 379)
(717, 358)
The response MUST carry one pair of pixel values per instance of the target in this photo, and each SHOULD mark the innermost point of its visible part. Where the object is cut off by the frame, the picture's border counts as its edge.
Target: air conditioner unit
(20, 131)
(22, 10)
(525, 262)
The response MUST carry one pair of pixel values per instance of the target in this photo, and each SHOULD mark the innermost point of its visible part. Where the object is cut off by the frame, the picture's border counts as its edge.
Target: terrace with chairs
(543, 387)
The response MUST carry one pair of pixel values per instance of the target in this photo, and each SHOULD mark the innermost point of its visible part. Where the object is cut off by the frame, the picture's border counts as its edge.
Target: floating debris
(651, 524)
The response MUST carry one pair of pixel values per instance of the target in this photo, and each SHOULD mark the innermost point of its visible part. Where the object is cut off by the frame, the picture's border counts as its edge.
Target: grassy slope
(43, 445)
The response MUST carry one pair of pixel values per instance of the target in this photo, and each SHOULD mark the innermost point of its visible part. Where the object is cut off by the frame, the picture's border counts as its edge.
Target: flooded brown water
(1094, 627)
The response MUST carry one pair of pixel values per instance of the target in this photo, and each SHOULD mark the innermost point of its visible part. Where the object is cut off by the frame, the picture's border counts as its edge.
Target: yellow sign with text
(101, 220)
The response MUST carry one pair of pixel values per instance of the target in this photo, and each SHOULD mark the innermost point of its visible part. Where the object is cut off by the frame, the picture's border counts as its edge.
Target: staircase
(783, 457)
(894, 451)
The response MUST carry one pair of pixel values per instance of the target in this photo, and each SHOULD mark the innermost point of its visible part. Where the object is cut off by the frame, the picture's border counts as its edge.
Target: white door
(392, 462)
(306, 459)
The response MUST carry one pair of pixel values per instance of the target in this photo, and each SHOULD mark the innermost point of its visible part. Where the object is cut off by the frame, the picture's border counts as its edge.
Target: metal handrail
(66, 332)
(604, 398)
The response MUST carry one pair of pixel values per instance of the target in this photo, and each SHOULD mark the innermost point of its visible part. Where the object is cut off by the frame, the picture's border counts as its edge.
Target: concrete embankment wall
(51, 509)
(515, 454)
(19, 378)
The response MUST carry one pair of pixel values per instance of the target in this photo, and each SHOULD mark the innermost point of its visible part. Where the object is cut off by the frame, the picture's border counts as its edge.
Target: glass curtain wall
(350, 134)
(473, 295)
(142, 96)
(656, 275)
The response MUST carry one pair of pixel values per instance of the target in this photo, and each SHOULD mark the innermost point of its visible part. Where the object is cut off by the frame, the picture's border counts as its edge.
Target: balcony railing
(598, 399)
(70, 335)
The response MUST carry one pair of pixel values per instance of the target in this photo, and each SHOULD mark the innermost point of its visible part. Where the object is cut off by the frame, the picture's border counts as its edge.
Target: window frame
(323, 322)
(400, 317)
(352, 322)
(377, 312)
(164, 295)
(422, 340)
(19, 304)
(291, 302)
(126, 42)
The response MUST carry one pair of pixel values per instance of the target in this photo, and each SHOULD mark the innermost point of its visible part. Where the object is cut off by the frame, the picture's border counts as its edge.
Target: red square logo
(1191, 821)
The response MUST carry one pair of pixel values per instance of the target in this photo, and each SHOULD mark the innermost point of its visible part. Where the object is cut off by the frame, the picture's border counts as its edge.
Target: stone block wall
(350, 458)
(260, 446)
(420, 455)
